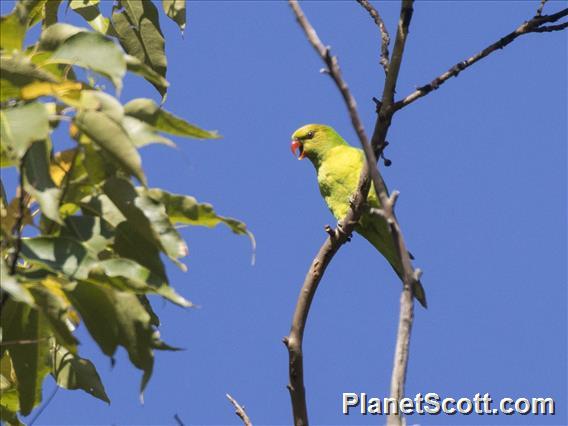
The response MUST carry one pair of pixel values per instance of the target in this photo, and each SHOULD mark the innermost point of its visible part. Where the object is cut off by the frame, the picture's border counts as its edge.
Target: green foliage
(93, 245)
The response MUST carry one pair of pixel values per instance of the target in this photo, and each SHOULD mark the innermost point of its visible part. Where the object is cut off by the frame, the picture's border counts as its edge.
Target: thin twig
(541, 7)
(44, 406)
(240, 411)
(178, 420)
(385, 37)
(534, 25)
(24, 341)
(19, 220)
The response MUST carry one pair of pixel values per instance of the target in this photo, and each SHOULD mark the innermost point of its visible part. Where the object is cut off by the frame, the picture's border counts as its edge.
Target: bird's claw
(351, 201)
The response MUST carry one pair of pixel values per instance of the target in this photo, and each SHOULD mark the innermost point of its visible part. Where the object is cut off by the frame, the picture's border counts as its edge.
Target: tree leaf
(55, 306)
(17, 72)
(21, 323)
(138, 29)
(10, 215)
(53, 37)
(134, 65)
(89, 10)
(130, 243)
(113, 138)
(127, 323)
(147, 215)
(93, 51)
(61, 164)
(59, 254)
(102, 102)
(19, 128)
(126, 274)
(143, 134)
(73, 372)
(187, 210)
(8, 384)
(38, 182)
(100, 205)
(9, 400)
(148, 111)
(175, 9)
(10, 285)
(12, 32)
(30, 12)
(94, 233)
(68, 91)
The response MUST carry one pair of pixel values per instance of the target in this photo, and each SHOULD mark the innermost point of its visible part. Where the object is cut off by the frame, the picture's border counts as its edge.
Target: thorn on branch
(329, 231)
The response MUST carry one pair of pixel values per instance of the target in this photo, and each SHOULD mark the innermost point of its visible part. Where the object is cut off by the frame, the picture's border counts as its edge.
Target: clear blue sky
(482, 169)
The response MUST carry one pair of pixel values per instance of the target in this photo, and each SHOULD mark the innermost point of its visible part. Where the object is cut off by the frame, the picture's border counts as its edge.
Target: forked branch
(534, 25)
(294, 340)
(385, 37)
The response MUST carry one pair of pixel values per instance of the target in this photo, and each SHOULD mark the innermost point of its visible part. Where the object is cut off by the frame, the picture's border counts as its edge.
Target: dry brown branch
(534, 25)
(239, 411)
(294, 340)
(385, 37)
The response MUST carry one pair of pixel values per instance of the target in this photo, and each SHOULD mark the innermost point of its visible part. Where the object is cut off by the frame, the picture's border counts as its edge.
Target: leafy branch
(93, 254)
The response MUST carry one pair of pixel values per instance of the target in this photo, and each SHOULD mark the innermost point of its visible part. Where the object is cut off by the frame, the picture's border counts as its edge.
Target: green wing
(338, 176)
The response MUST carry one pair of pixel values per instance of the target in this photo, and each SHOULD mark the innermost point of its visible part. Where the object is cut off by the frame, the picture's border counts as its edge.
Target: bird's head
(313, 141)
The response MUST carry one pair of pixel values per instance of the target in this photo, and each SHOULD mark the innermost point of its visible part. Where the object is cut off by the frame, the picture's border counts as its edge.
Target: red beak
(297, 145)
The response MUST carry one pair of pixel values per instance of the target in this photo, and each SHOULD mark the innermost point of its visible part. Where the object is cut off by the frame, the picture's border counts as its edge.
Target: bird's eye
(310, 134)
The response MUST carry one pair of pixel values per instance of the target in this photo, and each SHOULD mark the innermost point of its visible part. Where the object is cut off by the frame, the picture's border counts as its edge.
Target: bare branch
(385, 37)
(294, 340)
(534, 25)
(240, 411)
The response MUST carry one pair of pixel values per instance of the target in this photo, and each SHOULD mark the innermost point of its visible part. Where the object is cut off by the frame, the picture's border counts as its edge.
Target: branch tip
(239, 411)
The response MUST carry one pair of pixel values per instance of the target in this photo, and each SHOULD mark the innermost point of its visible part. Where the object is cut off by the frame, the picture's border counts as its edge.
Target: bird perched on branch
(338, 166)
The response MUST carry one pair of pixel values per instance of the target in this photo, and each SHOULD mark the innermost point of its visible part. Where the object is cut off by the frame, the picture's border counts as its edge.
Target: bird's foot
(351, 201)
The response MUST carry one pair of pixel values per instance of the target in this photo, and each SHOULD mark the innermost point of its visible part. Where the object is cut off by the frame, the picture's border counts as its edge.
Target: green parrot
(338, 166)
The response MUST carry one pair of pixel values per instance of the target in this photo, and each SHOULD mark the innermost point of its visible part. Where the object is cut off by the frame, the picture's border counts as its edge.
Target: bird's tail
(378, 235)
